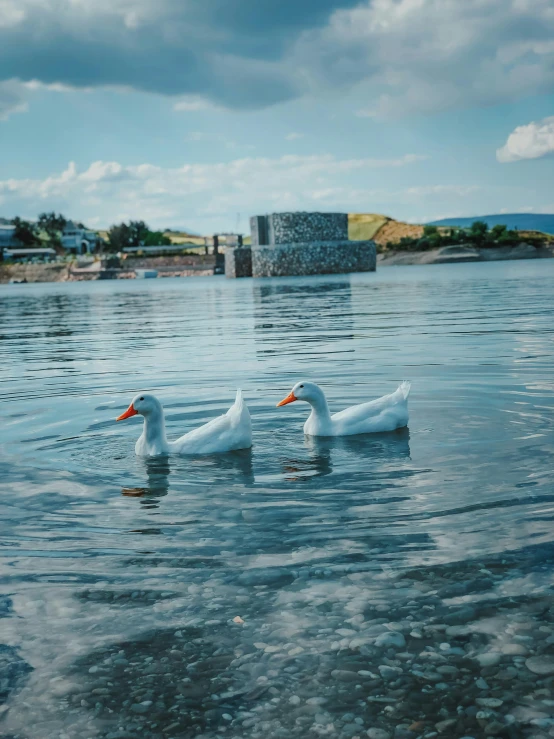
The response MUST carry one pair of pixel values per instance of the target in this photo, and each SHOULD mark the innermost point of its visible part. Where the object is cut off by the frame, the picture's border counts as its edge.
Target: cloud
(425, 56)
(15, 95)
(458, 190)
(191, 105)
(229, 53)
(532, 141)
(13, 99)
(293, 136)
(110, 192)
(402, 56)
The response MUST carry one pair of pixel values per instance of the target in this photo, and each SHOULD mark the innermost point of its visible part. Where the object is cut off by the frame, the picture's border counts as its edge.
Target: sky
(197, 114)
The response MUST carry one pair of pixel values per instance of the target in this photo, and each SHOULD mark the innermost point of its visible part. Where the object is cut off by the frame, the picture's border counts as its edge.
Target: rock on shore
(456, 254)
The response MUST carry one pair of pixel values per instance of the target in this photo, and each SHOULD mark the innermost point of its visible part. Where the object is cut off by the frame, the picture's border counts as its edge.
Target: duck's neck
(320, 410)
(153, 433)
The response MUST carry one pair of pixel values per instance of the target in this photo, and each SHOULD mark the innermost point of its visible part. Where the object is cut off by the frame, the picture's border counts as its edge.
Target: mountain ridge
(520, 221)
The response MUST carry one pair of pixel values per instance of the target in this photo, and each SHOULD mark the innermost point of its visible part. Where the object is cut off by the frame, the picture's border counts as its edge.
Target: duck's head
(307, 391)
(143, 404)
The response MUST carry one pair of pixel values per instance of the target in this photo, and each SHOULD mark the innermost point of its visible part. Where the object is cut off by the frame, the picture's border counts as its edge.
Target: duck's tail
(242, 422)
(239, 407)
(405, 387)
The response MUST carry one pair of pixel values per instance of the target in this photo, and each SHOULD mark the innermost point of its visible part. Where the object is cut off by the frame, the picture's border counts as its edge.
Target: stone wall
(300, 244)
(238, 261)
(313, 258)
(291, 228)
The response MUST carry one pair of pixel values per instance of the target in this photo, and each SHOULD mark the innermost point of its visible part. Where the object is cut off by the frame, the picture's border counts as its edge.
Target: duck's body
(384, 414)
(225, 433)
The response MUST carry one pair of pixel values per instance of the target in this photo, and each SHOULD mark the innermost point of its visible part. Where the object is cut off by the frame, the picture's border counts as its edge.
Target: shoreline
(462, 254)
(204, 266)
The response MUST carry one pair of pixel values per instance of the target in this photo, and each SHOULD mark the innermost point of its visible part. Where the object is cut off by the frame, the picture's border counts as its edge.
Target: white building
(78, 240)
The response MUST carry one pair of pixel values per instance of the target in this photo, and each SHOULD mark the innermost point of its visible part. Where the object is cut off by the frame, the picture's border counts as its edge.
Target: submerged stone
(541, 665)
(13, 671)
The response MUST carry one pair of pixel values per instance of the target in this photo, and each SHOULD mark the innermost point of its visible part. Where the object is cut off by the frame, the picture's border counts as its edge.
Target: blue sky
(200, 113)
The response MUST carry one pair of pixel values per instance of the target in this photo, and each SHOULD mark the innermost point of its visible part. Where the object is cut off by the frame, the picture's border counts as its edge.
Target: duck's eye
(141, 398)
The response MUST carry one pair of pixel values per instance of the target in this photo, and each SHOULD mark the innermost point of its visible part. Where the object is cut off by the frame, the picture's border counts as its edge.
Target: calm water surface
(399, 583)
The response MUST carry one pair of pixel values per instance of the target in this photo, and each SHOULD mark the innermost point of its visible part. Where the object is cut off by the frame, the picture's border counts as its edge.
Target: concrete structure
(298, 228)
(238, 261)
(78, 240)
(315, 258)
(300, 244)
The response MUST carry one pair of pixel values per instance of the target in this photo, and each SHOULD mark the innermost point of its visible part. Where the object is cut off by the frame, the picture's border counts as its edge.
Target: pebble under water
(391, 586)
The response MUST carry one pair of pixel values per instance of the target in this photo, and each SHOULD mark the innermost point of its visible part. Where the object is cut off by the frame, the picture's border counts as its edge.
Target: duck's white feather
(387, 413)
(228, 432)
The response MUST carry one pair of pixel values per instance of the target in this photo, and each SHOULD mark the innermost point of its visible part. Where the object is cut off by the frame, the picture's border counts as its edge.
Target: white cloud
(458, 190)
(402, 56)
(10, 13)
(13, 98)
(191, 105)
(532, 141)
(430, 55)
(15, 95)
(109, 191)
(293, 136)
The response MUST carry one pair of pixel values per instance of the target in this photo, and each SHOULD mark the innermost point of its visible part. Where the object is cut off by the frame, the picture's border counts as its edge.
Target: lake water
(396, 584)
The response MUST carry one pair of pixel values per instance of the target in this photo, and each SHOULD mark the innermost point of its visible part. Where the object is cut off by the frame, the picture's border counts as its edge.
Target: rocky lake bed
(452, 651)
(384, 586)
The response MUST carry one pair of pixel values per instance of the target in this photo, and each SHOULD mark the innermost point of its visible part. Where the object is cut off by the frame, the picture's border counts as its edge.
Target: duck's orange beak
(291, 397)
(128, 413)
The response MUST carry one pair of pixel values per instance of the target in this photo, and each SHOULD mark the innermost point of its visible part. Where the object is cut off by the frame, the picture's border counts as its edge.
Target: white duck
(222, 434)
(384, 414)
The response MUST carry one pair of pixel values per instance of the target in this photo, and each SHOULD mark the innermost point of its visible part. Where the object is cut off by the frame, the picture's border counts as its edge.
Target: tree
(25, 232)
(52, 224)
(134, 233)
(430, 230)
(479, 227)
(156, 238)
(498, 231)
(139, 231)
(478, 232)
(119, 237)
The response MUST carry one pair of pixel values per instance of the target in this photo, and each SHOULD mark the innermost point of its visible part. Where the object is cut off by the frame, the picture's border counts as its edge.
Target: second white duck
(225, 433)
(383, 414)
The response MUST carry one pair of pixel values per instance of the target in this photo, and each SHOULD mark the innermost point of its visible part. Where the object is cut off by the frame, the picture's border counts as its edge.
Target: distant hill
(520, 221)
(380, 228)
(186, 231)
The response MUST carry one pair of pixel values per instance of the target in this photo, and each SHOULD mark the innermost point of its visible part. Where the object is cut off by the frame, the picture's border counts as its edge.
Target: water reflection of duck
(376, 448)
(157, 471)
(317, 465)
(239, 461)
(384, 446)
(219, 467)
